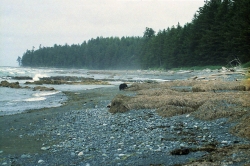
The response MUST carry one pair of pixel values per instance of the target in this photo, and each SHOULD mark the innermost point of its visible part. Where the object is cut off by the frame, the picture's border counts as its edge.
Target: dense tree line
(99, 53)
(219, 31)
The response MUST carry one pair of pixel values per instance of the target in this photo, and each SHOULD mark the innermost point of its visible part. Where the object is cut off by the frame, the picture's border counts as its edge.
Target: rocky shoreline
(84, 132)
(139, 137)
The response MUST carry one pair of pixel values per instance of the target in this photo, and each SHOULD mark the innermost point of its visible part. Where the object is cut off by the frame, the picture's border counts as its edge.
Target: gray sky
(28, 23)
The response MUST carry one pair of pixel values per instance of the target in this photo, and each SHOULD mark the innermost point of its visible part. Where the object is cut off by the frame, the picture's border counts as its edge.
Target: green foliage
(219, 32)
(99, 53)
(246, 65)
(19, 59)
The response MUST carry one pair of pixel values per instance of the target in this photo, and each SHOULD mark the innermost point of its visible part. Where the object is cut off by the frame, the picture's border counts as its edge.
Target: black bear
(123, 86)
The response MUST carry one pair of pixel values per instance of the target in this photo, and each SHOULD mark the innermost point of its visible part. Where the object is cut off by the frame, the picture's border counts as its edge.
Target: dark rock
(183, 151)
(22, 78)
(42, 88)
(10, 85)
(109, 105)
(123, 86)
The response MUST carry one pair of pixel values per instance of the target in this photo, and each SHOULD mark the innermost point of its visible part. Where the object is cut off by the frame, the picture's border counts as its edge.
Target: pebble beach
(87, 134)
(83, 132)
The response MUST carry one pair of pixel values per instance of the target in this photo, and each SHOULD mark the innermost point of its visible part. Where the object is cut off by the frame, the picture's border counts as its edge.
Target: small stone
(45, 148)
(158, 150)
(182, 145)
(40, 161)
(72, 154)
(205, 128)
(25, 156)
(80, 154)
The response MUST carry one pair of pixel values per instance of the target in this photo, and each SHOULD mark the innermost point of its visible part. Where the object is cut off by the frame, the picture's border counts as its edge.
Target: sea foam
(35, 99)
(38, 76)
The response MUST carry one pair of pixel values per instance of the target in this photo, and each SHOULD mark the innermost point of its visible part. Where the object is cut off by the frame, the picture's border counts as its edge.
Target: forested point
(218, 32)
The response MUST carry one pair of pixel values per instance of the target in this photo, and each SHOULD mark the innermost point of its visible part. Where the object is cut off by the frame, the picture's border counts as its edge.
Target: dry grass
(247, 84)
(214, 99)
(208, 100)
(171, 110)
(119, 104)
(243, 127)
(208, 103)
(218, 85)
(223, 156)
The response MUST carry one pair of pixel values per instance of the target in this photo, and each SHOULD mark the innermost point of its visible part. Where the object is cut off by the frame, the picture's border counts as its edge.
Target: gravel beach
(83, 132)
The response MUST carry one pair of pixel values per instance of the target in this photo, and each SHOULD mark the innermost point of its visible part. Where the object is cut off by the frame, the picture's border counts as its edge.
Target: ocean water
(14, 101)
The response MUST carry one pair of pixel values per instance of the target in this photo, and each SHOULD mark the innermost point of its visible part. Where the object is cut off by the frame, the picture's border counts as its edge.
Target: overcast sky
(28, 23)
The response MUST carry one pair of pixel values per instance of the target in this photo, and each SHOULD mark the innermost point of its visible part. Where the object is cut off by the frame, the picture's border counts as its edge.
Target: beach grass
(207, 100)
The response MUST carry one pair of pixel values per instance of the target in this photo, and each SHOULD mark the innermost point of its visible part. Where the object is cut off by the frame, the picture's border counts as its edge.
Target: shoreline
(83, 131)
(16, 125)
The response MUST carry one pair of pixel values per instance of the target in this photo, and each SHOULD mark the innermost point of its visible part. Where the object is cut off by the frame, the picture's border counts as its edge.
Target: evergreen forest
(218, 32)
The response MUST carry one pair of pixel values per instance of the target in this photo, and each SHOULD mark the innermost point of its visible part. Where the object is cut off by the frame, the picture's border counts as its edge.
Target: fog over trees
(219, 31)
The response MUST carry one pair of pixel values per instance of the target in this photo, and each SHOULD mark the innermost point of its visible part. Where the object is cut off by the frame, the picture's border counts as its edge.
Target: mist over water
(14, 101)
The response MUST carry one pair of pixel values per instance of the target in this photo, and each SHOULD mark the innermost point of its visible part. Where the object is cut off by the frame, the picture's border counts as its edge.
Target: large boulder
(43, 88)
(10, 84)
